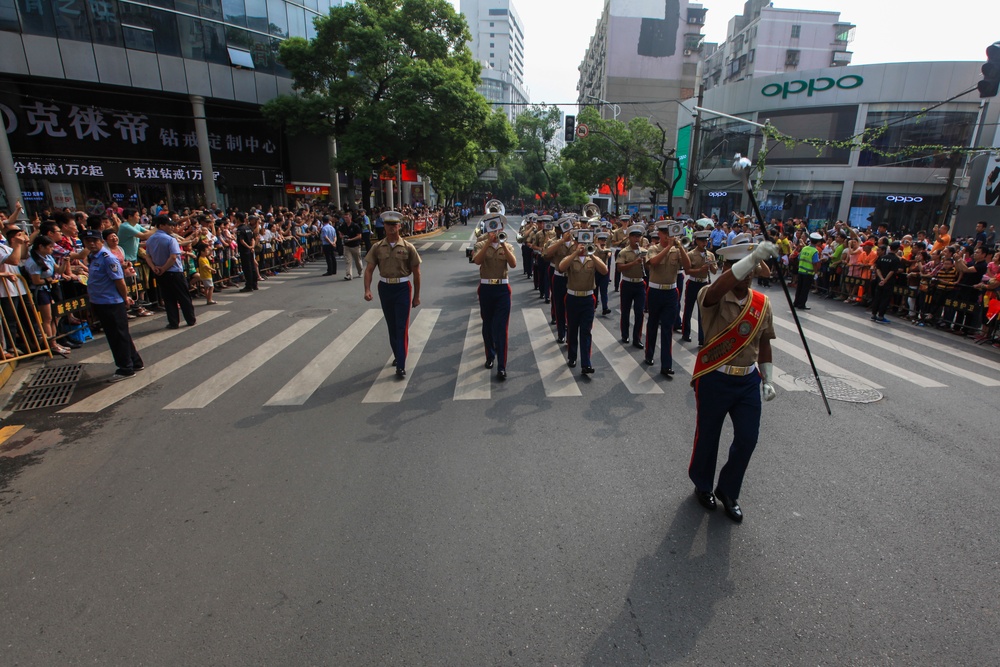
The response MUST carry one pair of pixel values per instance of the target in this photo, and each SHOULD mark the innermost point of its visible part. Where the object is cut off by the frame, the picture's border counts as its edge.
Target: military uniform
(557, 250)
(633, 294)
(494, 302)
(618, 240)
(698, 259)
(395, 263)
(661, 302)
(581, 303)
(604, 254)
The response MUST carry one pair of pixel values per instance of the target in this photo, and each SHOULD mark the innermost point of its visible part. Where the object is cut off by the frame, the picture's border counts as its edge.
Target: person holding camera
(494, 258)
(665, 260)
(581, 268)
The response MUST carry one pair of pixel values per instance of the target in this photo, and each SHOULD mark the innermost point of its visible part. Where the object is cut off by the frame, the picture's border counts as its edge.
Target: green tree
(538, 171)
(393, 81)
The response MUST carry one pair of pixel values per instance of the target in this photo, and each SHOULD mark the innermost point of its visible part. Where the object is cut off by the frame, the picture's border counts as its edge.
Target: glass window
(238, 38)
(826, 123)
(721, 140)
(8, 16)
(165, 34)
(906, 128)
(36, 17)
(240, 58)
(104, 24)
(71, 19)
(310, 27)
(257, 14)
(215, 43)
(235, 12)
(277, 19)
(278, 68)
(138, 38)
(311, 4)
(211, 9)
(201, 40)
(796, 31)
(188, 6)
(296, 21)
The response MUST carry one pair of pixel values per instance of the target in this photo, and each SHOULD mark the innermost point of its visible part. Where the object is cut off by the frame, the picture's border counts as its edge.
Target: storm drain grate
(50, 387)
(841, 389)
(57, 375)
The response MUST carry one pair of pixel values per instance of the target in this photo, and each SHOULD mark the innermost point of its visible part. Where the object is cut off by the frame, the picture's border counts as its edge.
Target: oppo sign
(811, 86)
(903, 199)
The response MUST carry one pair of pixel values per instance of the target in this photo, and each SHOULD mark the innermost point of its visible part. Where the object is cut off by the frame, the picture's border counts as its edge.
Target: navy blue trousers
(602, 289)
(542, 271)
(494, 308)
(580, 316)
(526, 258)
(633, 303)
(396, 300)
(662, 305)
(718, 395)
(559, 303)
(690, 303)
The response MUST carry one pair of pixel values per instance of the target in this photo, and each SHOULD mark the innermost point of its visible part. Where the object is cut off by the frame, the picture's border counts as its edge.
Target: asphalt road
(290, 508)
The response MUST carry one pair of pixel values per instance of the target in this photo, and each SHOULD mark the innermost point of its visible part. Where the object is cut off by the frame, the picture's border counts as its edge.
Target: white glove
(766, 373)
(763, 251)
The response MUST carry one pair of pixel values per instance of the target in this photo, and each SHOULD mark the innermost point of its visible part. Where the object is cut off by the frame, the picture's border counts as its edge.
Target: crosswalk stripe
(465, 246)
(217, 303)
(116, 392)
(218, 384)
(298, 390)
(557, 378)
(912, 337)
(444, 247)
(388, 388)
(148, 340)
(906, 353)
(240, 294)
(864, 357)
(635, 378)
(473, 378)
(795, 351)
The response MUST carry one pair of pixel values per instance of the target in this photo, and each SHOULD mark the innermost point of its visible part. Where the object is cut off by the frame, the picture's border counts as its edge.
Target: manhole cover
(841, 389)
(48, 388)
(45, 377)
(312, 312)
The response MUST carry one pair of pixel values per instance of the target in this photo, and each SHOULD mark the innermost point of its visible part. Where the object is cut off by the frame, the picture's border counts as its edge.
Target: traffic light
(652, 196)
(990, 84)
(570, 128)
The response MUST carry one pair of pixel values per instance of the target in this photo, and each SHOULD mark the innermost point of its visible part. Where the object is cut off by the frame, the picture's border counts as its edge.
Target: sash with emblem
(725, 346)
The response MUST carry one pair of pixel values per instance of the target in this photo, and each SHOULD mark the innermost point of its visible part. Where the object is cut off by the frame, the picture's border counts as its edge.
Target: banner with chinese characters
(302, 189)
(137, 171)
(68, 121)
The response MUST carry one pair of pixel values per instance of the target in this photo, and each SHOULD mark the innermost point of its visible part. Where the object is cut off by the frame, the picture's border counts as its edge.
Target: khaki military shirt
(718, 318)
(494, 266)
(699, 260)
(396, 261)
(619, 237)
(580, 276)
(561, 250)
(665, 273)
(628, 255)
(603, 254)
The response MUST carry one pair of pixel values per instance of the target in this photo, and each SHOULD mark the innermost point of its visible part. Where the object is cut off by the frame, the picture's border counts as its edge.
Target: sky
(557, 33)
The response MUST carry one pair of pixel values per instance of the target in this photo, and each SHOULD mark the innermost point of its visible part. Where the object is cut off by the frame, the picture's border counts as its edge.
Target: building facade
(764, 40)
(899, 101)
(110, 100)
(498, 45)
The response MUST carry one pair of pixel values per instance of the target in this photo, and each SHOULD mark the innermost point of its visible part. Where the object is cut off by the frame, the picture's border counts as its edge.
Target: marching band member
(554, 253)
(633, 288)
(541, 238)
(703, 263)
(603, 253)
(664, 260)
(494, 258)
(730, 374)
(581, 269)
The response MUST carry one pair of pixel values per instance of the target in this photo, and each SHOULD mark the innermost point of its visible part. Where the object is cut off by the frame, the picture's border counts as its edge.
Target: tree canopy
(393, 81)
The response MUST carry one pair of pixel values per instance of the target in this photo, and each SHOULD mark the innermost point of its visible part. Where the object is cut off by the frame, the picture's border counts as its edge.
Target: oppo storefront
(867, 187)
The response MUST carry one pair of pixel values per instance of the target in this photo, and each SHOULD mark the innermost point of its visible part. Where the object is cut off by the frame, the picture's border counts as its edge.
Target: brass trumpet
(502, 237)
(687, 243)
(590, 249)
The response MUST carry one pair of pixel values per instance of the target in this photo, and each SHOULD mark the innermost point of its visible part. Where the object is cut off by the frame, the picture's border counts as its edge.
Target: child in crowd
(205, 271)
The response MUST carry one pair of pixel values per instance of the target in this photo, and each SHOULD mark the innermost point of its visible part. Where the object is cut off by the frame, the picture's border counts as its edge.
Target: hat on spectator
(91, 235)
(868, 244)
(392, 217)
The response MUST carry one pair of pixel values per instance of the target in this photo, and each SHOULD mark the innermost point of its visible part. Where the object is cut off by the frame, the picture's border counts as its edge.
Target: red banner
(389, 173)
(606, 188)
(310, 190)
(420, 225)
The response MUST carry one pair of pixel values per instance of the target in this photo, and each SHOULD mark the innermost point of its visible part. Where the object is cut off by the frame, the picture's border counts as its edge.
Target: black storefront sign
(55, 169)
(69, 121)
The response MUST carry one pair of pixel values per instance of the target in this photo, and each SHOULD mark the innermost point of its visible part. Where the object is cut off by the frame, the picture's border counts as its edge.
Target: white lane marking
(217, 303)
(465, 247)
(795, 351)
(220, 383)
(906, 353)
(446, 246)
(116, 392)
(388, 388)
(298, 390)
(864, 357)
(151, 339)
(240, 293)
(557, 377)
(911, 336)
(635, 378)
(473, 378)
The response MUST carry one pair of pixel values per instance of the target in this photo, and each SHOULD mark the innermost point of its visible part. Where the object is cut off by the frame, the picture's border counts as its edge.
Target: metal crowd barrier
(21, 326)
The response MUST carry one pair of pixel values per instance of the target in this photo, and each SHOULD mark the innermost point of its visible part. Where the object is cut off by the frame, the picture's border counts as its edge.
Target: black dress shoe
(173, 326)
(648, 362)
(489, 363)
(501, 375)
(546, 301)
(571, 363)
(560, 340)
(669, 372)
(624, 341)
(706, 499)
(605, 311)
(686, 339)
(400, 373)
(731, 506)
(587, 370)
(678, 330)
(638, 345)
(246, 289)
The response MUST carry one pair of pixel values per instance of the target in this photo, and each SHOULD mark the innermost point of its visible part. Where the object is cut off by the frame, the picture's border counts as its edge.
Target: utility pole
(692, 179)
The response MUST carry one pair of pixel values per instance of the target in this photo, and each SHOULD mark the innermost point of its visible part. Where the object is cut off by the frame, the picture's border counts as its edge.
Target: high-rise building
(765, 40)
(111, 99)
(498, 44)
